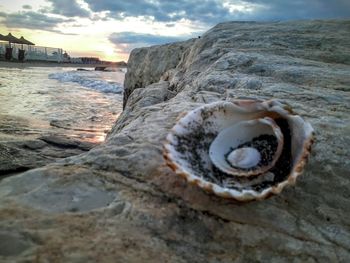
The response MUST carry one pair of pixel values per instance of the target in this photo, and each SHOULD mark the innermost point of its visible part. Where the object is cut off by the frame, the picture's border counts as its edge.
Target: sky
(110, 29)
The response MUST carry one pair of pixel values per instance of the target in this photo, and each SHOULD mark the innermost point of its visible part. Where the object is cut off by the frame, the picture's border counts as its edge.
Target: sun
(109, 51)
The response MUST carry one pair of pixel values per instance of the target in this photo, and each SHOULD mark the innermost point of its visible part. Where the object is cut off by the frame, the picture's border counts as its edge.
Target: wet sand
(15, 64)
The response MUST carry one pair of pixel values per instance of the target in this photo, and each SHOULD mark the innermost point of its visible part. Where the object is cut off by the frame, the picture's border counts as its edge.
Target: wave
(88, 81)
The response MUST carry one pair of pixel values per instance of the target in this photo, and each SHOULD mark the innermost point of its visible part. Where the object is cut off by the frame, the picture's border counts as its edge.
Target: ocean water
(37, 101)
(97, 80)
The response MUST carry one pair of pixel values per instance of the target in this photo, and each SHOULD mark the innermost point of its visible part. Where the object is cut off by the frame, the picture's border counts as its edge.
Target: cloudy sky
(109, 29)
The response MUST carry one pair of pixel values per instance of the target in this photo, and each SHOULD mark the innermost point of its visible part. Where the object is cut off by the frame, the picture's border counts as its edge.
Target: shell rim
(244, 195)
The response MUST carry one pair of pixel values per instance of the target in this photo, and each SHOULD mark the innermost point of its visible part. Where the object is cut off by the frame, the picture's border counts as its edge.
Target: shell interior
(243, 157)
(263, 135)
(186, 149)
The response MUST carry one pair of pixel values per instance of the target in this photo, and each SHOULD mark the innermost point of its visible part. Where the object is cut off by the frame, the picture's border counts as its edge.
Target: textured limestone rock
(142, 70)
(22, 155)
(143, 211)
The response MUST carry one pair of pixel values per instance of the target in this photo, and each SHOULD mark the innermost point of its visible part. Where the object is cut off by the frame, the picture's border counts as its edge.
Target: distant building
(90, 60)
(32, 53)
(20, 49)
(76, 60)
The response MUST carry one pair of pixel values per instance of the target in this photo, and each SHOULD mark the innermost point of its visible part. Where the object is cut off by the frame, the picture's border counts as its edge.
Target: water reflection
(33, 105)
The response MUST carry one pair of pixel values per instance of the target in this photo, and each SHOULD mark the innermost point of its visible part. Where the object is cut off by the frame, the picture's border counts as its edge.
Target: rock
(57, 195)
(22, 155)
(142, 70)
(143, 211)
(12, 243)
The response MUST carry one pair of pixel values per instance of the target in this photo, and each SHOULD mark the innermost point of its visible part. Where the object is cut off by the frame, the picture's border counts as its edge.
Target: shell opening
(261, 139)
(246, 157)
(265, 145)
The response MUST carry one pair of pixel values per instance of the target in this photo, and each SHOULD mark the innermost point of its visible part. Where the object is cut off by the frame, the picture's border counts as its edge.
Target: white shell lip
(244, 157)
(302, 140)
(240, 133)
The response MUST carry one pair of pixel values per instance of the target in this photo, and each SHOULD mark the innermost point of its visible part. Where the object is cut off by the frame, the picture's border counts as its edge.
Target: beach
(151, 192)
(47, 107)
(26, 64)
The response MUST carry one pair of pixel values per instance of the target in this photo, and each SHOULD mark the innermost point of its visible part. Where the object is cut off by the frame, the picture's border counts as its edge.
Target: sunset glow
(111, 29)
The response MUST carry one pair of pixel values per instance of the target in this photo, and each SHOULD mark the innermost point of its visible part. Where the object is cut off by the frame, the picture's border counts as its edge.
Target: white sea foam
(89, 79)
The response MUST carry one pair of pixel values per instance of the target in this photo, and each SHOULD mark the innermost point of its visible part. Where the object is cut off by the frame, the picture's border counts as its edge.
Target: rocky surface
(21, 155)
(23, 147)
(119, 202)
(143, 71)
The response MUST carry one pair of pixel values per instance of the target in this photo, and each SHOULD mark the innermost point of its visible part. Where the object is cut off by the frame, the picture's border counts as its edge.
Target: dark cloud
(28, 7)
(68, 8)
(208, 11)
(214, 11)
(149, 39)
(31, 20)
(126, 41)
(299, 9)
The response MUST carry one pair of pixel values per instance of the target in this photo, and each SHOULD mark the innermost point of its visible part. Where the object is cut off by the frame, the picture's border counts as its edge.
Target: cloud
(68, 8)
(126, 41)
(299, 9)
(26, 6)
(211, 12)
(32, 20)
(149, 39)
(207, 11)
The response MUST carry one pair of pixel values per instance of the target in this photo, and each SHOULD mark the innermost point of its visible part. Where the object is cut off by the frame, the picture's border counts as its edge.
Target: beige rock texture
(119, 202)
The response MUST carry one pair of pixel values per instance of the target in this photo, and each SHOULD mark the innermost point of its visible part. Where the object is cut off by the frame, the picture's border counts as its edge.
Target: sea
(37, 101)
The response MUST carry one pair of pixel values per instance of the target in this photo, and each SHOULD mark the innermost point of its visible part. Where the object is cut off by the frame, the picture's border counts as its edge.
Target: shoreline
(26, 64)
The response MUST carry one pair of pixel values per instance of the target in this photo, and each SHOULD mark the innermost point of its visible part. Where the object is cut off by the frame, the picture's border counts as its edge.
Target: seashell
(227, 156)
(244, 149)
